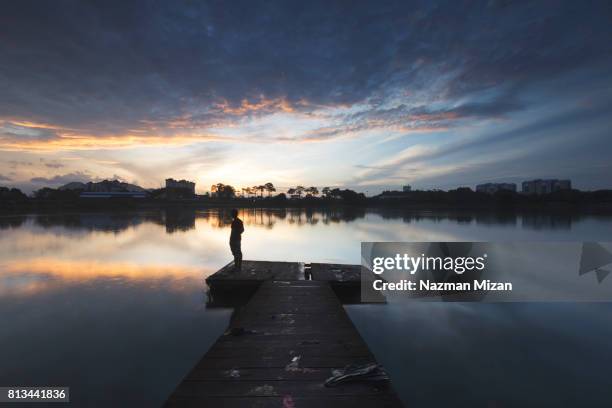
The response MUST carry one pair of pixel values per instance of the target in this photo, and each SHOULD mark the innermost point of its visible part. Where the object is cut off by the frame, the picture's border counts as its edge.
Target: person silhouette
(236, 240)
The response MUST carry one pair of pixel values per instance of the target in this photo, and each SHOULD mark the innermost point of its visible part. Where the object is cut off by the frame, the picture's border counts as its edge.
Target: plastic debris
(370, 372)
(294, 365)
(234, 373)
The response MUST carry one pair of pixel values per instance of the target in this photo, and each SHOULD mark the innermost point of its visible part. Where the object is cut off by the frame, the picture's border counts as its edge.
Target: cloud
(50, 164)
(4, 178)
(404, 119)
(459, 77)
(526, 139)
(26, 132)
(169, 73)
(22, 134)
(13, 164)
(60, 180)
(35, 136)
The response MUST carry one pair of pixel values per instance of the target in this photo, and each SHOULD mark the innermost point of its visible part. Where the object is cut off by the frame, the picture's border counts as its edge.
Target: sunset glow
(415, 96)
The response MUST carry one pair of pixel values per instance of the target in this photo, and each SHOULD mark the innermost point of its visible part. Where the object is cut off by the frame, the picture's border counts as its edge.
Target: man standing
(236, 239)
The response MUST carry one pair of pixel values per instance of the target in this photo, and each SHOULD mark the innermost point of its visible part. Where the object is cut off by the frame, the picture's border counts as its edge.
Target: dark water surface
(114, 306)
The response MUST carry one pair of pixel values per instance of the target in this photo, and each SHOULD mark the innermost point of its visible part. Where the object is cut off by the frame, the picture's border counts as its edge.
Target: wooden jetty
(283, 343)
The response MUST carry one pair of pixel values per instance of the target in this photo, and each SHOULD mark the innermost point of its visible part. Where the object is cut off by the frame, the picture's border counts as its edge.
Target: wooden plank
(261, 374)
(306, 362)
(337, 273)
(258, 271)
(258, 388)
(291, 340)
(364, 401)
(289, 352)
(280, 348)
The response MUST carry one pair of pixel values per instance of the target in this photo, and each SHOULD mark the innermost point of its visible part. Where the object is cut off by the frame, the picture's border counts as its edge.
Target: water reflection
(116, 342)
(116, 301)
(493, 355)
(35, 275)
(178, 220)
(112, 222)
(181, 220)
(12, 221)
(548, 222)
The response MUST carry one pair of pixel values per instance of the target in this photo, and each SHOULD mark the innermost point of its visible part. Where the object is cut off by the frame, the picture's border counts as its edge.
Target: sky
(365, 95)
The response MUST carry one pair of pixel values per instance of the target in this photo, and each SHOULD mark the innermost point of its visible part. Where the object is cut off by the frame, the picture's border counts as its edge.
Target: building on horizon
(179, 188)
(407, 188)
(492, 188)
(540, 186)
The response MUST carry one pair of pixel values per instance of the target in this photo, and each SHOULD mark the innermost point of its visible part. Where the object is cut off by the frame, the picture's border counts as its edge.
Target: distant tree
(347, 195)
(13, 194)
(313, 191)
(55, 194)
(326, 191)
(270, 188)
(299, 190)
(291, 191)
(229, 191)
(259, 188)
(223, 190)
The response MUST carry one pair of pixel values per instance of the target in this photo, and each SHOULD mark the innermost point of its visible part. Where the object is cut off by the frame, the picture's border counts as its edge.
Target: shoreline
(552, 209)
(33, 206)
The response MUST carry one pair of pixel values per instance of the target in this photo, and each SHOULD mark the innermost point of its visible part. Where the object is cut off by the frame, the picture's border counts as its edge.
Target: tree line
(221, 190)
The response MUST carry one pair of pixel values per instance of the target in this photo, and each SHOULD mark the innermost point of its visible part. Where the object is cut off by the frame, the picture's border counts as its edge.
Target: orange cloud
(260, 106)
(74, 139)
(17, 134)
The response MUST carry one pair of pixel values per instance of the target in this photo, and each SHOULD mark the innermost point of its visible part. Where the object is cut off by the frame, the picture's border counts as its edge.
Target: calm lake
(114, 306)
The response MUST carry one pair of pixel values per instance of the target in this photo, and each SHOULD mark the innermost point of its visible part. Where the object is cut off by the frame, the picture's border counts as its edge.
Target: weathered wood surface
(336, 273)
(346, 281)
(257, 272)
(293, 333)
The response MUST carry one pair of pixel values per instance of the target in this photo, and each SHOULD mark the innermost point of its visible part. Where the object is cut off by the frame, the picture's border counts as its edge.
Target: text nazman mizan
(404, 284)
